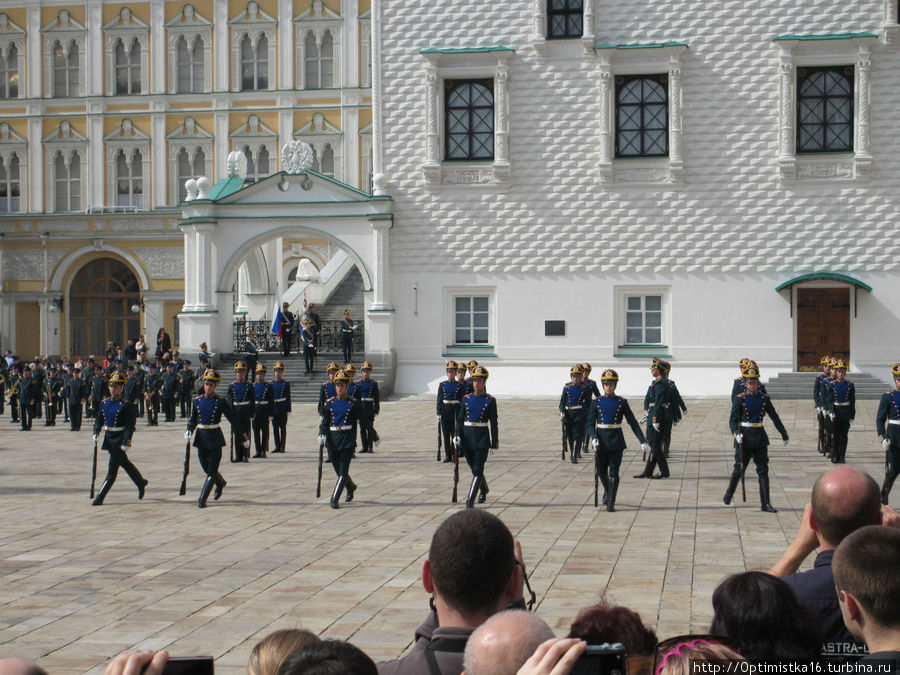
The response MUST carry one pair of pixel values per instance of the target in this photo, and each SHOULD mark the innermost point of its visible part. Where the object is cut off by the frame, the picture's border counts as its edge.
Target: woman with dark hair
(760, 615)
(606, 623)
(163, 342)
(328, 657)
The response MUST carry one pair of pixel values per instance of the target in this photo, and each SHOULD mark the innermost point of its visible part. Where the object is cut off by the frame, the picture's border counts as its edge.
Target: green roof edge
(465, 50)
(836, 276)
(642, 45)
(825, 36)
(226, 186)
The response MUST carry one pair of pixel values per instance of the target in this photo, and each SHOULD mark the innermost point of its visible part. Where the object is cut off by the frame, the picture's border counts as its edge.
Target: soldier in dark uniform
(327, 390)
(819, 387)
(308, 341)
(887, 424)
(449, 394)
(4, 376)
(75, 393)
(746, 423)
(206, 417)
(52, 387)
(470, 366)
(461, 370)
(347, 328)
(281, 406)
(840, 404)
(352, 386)
(152, 385)
(167, 392)
(251, 351)
(117, 417)
(15, 383)
(262, 411)
(370, 406)
(587, 381)
(99, 389)
(28, 397)
(139, 375)
(573, 405)
(604, 424)
(317, 322)
(87, 376)
(657, 420)
(38, 375)
(240, 397)
(676, 410)
(477, 433)
(188, 379)
(287, 329)
(337, 430)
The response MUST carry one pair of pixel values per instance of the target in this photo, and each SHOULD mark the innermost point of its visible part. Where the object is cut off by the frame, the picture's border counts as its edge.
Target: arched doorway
(100, 299)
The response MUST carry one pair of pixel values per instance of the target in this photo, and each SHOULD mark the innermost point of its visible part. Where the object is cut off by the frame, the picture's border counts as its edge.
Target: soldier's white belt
(242, 403)
(207, 426)
(893, 421)
(847, 403)
(114, 428)
(751, 424)
(346, 427)
(449, 402)
(609, 426)
(280, 400)
(263, 402)
(475, 424)
(574, 407)
(367, 398)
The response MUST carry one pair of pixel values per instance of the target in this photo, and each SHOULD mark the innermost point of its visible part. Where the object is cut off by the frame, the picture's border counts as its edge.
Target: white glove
(456, 441)
(94, 438)
(124, 448)
(595, 444)
(643, 419)
(187, 435)
(438, 418)
(562, 416)
(656, 426)
(246, 444)
(321, 439)
(739, 438)
(785, 441)
(831, 415)
(644, 447)
(886, 443)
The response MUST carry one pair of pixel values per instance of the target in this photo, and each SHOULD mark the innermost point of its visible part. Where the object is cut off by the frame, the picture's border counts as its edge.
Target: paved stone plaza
(80, 583)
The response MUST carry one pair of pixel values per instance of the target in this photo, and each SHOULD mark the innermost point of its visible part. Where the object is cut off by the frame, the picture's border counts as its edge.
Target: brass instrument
(14, 389)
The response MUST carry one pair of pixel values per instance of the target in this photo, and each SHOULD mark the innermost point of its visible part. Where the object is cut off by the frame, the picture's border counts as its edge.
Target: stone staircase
(347, 295)
(800, 385)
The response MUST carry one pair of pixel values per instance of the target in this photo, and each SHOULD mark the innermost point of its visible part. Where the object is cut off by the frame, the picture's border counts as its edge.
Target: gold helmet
(451, 365)
(586, 368)
(240, 366)
(576, 369)
(261, 368)
(751, 372)
(840, 364)
(349, 368)
(657, 363)
(480, 371)
(743, 363)
(825, 361)
(342, 377)
(117, 378)
(211, 375)
(333, 367)
(609, 375)
(366, 365)
(895, 370)
(471, 364)
(279, 365)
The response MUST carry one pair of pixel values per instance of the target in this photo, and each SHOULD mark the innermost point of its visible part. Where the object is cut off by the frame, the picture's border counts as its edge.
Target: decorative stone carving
(468, 177)
(642, 176)
(236, 165)
(28, 265)
(296, 157)
(162, 263)
(831, 170)
(137, 224)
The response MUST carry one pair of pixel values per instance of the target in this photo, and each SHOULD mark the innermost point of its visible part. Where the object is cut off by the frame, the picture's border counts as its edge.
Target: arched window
(65, 70)
(189, 61)
(327, 163)
(311, 57)
(9, 73)
(254, 63)
(67, 177)
(99, 306)
(129, 179)
(10, 185)
(326, 61)
(469, 109)
(825, 109)
(128, 68)
(189, 168)
(258, 165)
(642, 116)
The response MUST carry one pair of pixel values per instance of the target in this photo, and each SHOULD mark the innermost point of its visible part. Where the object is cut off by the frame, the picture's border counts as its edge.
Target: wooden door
(823, 325)
(28, 330)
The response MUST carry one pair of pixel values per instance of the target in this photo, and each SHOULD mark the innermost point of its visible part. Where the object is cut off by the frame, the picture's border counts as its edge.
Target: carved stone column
(604, 96)
(432, 165)
(381, 226)
(787, 161)
(501, 123)
(676, 162)
(863, 157)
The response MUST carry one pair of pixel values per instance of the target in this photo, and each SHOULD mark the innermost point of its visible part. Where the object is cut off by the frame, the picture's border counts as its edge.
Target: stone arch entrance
(100, 299)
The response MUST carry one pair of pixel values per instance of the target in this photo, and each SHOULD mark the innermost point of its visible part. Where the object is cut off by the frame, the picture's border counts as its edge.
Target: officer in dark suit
(205, 420)
(240, 397)
(75, 392)
(117, 417)
(28, 396)
(746, 423)
(573, 407)
(251, 352)
(308, 342)
(347, 327)
(52, 387)
(287, 329)
(337, 430)
(676, 410)
(370, 406)
(87, 377)
(604, 424)
(188, 380)
(840, 405)
(281, 406)
(152, 386)
(819, 390)
(657, 421)
(887, 424)
(449, 394)
(262, 411)
(170, 386)
(476, 432)
(327, 390)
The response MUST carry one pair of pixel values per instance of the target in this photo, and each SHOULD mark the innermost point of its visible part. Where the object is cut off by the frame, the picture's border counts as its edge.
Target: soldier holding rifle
(573, 405)
(241, 396)
(117, 418)
(887, 424)
(449, 394)
(746, 422)
(476, 432)
(337, 431)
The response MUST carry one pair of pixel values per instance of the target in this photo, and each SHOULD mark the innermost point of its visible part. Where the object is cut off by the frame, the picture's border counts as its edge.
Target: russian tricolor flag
(276, 322)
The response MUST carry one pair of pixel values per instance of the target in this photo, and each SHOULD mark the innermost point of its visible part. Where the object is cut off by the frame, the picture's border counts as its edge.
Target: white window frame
(650, 59)
(190, 25)
(452, 64)
(451, 293)
(13, 144)
(192, 137)
(127, 28)
(65, 30)
(622, 293)
(127, 137)
(539, 24)
(67, 141)
(318, 133)
(366, 165)
(252, 22)
(317, 20)
(257, 135)
(12, 35)
(365, 49)
(823, 51)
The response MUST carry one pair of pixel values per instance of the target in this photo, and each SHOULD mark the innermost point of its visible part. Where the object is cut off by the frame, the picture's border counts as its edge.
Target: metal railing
(329, 337)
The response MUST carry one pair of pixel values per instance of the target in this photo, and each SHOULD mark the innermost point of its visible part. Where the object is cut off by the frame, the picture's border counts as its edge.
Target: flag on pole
(276, 322)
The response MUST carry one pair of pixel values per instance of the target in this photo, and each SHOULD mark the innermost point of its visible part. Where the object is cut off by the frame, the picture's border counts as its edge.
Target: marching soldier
(52, 387)
(676, 409)
(75, 393)
(206, 417)
(327, 390)
(604, 424)
(131, 391)
(887, 424)
(588, 382)
(152, 386)
(38, 376)
(737, 387)
(188, 379)
(281, 406)
(657, 401)
(573, 405)
(476, 433)
(262, 410)
(28, 397)
(337, 430)
(470, 366)
(461, 370)
(169, 388)
(449, 394)
(240, 397)
(117, 417)
(840, 404)
(819, 388)
(751, 441)
(352, 387)
(370, 406)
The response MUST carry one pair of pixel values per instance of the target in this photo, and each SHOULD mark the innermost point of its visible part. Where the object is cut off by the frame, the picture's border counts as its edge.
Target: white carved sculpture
(296, 157)
(190, 186)
(306, 271)
(236, 165)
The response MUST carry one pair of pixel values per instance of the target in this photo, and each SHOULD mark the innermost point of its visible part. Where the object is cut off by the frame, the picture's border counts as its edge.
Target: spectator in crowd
(273, 650)
(503, 643)
(677, 656)
(760, 615)
(329, 657)
(472, 572)
(843, 500)
(554, 657)
(110, 351)
(605, 623)
(17, 666)
(141, 344)
(141, 661)
(163, 342)
(130, 351)
(865, 573)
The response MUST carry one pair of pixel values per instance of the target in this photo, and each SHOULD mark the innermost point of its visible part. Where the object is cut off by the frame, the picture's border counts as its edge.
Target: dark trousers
(14, 409)
(309, 359)
(340, 461)
(88, 408)
(286, 344)
(448, 427)
(75, 417)
(185, 404)
(476, 460)
(279, 432)
(210, 458)
(367, 433)
(760, 457)
(169, 408)
(347, 349)
(608, 463)
(153, 411)
(26, 414)
(51, 413)
(657, 453)
(261, 435)
(840, 428)
(575, 432)
(240, 429)
(117, 458)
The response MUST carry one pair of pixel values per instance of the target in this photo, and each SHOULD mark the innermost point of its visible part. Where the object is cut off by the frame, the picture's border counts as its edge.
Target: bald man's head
(844, 500)
(503, 643)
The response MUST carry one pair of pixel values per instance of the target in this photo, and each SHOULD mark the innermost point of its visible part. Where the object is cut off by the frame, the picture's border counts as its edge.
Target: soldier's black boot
(136, 476)
(220, 485)
(764, 496)
(573, 452)
(470, 500)
(843, 459)
(886, 487)
(351, 489)
(205, 490)
(104, 489)
(613, 490)
(484, 490)
(605, 482)
(732, 486)
(648, 469)
(336, 495)
(663, 466)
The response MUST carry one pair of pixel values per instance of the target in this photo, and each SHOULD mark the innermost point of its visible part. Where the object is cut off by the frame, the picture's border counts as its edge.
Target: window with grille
(188, 167)
(67, 182)
(469, 115)
(189, 60)
(128, 67)
(643, 319)
(65, 70)
(825, 109)
(129, 179)
(471, 320)
(642, 116)
(564, 19)
(254, 63)
(10, 184)
(9, 73)
(319, 62)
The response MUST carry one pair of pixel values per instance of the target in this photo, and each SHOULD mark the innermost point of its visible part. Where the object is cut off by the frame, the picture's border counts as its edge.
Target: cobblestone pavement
(80, 583)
